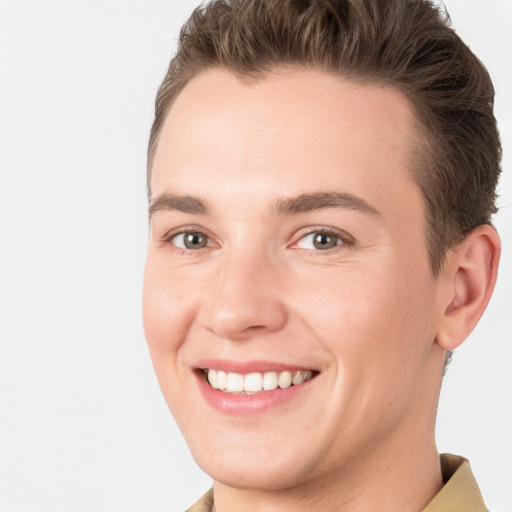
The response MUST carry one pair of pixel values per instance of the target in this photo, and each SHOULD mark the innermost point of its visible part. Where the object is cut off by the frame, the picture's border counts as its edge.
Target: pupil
(194, 240)
(323, 241)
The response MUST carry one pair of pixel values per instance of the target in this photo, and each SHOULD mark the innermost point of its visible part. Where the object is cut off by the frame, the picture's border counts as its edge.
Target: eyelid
(167, 238)
(346, 239)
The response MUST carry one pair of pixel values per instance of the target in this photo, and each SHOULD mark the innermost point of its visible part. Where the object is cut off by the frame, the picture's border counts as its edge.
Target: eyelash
(345, 239)
(168, 237)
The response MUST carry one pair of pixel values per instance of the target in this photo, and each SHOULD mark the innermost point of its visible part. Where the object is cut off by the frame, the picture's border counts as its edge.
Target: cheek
(376, 327)
(165, 327)
(164, 310)
(367, 315)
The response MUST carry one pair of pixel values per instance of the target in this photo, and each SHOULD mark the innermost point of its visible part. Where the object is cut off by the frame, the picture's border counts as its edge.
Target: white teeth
(270, 381)
(234, 383)
(212, 379)
(297, 378)
(284, 380)
(301, 376)
(222, 379)
(255, 382)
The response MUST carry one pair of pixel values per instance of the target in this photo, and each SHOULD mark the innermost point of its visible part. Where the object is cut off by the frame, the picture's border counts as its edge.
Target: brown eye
(190, 240)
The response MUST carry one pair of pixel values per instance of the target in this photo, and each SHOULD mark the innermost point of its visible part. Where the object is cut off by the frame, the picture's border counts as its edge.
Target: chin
(258, 468)
(266, 477)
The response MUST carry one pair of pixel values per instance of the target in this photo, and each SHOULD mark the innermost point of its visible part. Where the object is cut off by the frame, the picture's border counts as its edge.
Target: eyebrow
(320, 200)
(281, 206)
(185, 204)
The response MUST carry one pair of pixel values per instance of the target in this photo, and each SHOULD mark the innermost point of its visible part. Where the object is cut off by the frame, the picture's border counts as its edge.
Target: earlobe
(468, 279)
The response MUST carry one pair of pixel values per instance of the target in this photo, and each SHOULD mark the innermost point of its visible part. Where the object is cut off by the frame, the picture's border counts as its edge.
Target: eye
(190, 240)
(320, 241)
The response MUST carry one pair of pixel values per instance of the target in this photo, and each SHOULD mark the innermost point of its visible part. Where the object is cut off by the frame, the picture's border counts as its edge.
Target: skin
(367, 314)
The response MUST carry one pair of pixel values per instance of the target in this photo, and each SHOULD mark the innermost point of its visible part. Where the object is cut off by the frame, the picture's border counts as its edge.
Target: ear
(468, 278)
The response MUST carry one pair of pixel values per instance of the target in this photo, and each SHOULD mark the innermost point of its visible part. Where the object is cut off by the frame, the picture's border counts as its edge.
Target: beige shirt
(459, 494)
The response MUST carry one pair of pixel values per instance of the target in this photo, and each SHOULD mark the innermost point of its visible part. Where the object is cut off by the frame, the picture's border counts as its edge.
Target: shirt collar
(460, 491)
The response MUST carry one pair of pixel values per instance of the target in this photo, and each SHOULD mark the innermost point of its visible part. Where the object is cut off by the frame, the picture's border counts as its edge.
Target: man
(322, 178)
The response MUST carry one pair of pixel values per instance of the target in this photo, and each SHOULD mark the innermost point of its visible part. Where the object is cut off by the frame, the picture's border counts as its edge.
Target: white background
(82, 424)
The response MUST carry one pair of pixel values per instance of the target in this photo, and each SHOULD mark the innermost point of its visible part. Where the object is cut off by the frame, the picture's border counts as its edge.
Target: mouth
(246, 388)
(255, 382)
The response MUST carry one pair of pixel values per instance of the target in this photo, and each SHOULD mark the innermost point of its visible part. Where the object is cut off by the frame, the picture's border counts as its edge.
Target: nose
(246, 299)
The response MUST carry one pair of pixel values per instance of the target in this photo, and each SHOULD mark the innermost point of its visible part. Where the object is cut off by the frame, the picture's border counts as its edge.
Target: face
(287, 245)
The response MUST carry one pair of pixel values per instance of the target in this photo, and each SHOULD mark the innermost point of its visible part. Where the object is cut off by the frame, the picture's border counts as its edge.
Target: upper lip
(245, 367)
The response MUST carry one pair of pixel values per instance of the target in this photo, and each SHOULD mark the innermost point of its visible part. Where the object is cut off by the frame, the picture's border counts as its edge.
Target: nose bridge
(245, 298)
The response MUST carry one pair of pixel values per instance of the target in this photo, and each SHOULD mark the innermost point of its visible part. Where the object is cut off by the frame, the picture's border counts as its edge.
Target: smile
(252, 383)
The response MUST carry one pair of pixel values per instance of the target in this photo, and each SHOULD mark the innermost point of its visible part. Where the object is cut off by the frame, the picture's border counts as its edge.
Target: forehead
(294, 130)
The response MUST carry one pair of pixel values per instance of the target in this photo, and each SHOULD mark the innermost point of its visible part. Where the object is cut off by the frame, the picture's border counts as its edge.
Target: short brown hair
(407, 44)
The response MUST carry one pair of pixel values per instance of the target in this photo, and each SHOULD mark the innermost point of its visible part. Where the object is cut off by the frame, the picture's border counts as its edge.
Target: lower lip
(239, 404)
